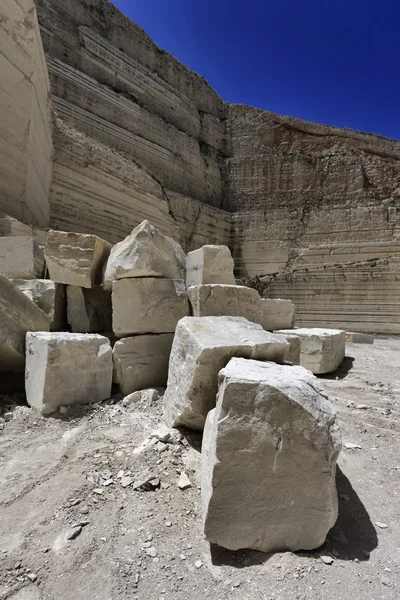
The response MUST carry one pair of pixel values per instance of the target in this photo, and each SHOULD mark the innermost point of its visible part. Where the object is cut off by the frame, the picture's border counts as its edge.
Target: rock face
(146, 252)
(141, 362)
(322, 350)
(148, 305)
(18, 315)
(210, 264)
(202, 347)
(76, 258)
(49, 296)
(67, 368)
(89, 310)
(20, 258)
(272, 438)
(277, 314)
(215, 300)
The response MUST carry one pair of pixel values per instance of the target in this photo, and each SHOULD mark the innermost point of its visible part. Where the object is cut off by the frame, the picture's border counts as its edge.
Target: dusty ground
(149, 544)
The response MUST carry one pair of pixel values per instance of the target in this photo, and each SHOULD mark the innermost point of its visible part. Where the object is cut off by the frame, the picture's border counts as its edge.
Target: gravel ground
(73, 526)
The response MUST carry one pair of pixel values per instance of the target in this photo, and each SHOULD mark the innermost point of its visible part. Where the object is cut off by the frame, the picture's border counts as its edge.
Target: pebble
(328, 560)
(8, 416)
(168, 524)
(381, 525)
(151, 551)
(126, 481)
(198, 564)
(184, 481)
(32, 577)
(74, 532)
(351, 446)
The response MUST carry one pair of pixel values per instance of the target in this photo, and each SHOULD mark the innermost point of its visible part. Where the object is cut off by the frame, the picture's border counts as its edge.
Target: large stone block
(76, 258)
(294, 350)
(146, 252)
(89, 310)
(141, 362)
(12, 227)
(322, 350)
(219, 300)
(67, 368)
(21, 258)
(202, 347)
(49, 296)
(269, 460)
(210, 264)
(276, 314)
(148, 305)
(18, 314)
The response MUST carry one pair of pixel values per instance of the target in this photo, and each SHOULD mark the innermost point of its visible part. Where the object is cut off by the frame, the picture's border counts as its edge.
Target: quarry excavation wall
(313, 211)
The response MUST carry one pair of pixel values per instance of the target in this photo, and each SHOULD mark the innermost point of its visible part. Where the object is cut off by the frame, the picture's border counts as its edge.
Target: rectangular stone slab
(89, 310)
(141, 362)
(21, 258)
(148, 305)
(276, 314)
(220, 300)
(49, 296)
(269, 457)
(322, 350)
(210, 264)
(67, 368)
(202, 347)
(18, 315)
(12, 227)
(76, 258)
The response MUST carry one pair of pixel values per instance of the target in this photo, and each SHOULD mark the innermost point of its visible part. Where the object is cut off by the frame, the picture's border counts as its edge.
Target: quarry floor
(149, 544)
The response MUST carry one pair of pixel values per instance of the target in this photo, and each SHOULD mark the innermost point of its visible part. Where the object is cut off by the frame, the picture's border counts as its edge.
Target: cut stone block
(12, 227)
(146, 252)
(141, 362)
(49, 296)
(294, 351)
(219, 300)
(21, 258)
(148, 305)
(276, 314)
(202, 347)
(359, 338)
(76, 258)
(18, 314)
(210, 264)
(67, 368)
(269, 457)
(322, 350)
(89, 310)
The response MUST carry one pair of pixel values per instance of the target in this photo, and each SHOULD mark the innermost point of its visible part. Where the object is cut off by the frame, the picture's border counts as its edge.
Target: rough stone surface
(76, 258)
(141, 362)
(21, 258)
(146, 252)
(89, 310)
(322, 350)
(148, 305)
(202, 346)
(18, 315)
(272, 438)
(10, 226)
(49, 296)
(219, 300)
(294, 350)
(67, 368)
(210, 264)
(277, 314)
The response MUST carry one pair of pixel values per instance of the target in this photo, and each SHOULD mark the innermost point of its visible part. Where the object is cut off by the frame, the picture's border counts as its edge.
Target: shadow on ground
(342, 371)
(352, 537)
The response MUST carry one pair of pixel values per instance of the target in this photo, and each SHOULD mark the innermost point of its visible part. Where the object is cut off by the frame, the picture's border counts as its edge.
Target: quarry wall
(25, 115)
(312, 210)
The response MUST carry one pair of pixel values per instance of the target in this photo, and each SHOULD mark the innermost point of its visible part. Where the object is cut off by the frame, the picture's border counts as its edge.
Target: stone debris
(201, 348)
(326, 559)
(89, 309)
(216, 300)
(76, 258)
(351, 446)
(184, 482)
(146, 252)
(146, 481)
(381, 525)
(21, 258)
(277, 314)
(141, 362)
(359, 338)
(49, 296)
(148, 305)
(272, 437)
(18, 315)
(322, 350)
(67, 368)
(210, 264)
(74, 532)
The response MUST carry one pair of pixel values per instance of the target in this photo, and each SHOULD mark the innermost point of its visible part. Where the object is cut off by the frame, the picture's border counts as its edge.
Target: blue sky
(329, 61)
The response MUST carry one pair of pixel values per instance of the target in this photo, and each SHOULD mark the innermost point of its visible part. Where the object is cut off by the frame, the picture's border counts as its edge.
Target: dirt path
(149, 544)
